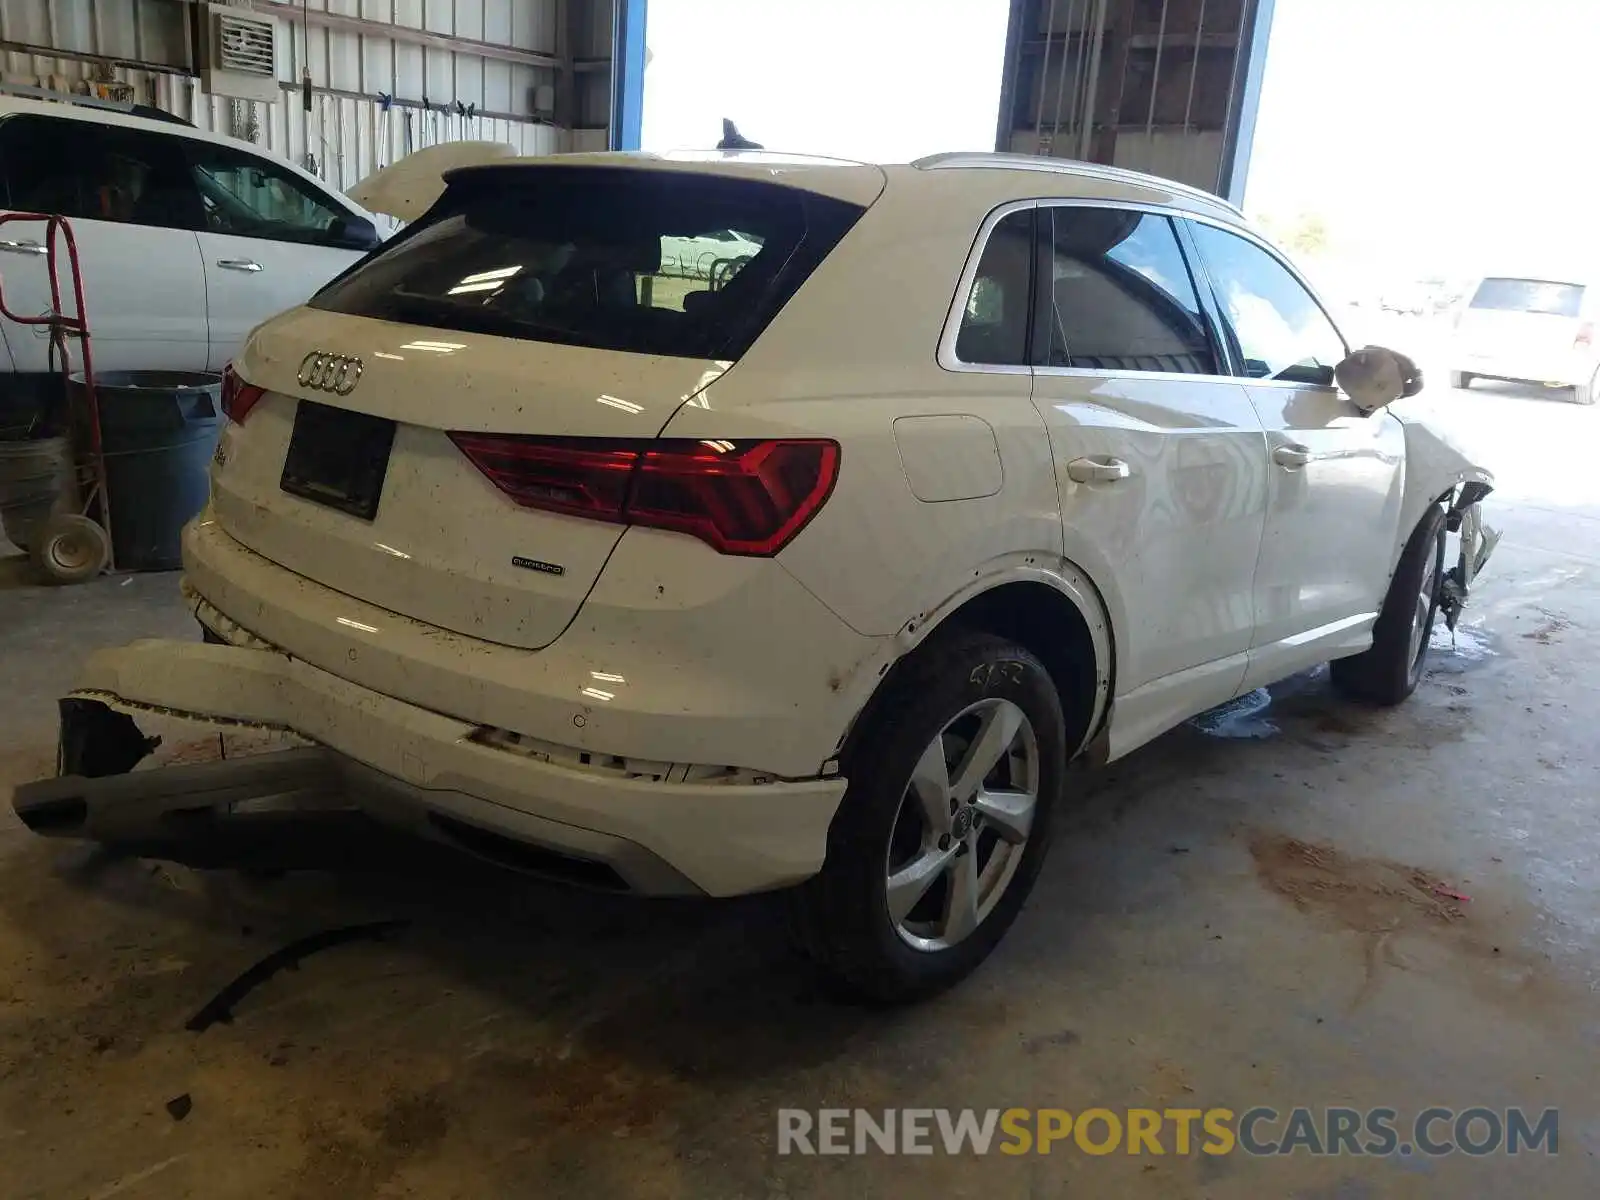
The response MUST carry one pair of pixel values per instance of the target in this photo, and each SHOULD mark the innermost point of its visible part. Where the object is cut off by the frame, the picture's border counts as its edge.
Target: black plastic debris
(220, 1007)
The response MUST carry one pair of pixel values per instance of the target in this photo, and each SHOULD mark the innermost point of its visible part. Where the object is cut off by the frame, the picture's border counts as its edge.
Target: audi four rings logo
(336, 373)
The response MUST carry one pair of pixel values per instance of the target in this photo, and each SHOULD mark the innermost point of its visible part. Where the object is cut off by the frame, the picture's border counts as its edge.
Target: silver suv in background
(1529, 331)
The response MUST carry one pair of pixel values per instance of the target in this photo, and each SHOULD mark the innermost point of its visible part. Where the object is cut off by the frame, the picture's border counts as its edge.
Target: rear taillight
(749, 497)
(238, 397)
(741, 498)
(1585, 337)
(566, 475)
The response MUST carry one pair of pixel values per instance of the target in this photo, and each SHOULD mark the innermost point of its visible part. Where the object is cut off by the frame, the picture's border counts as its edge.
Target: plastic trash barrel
(158, 430)
(36, 481)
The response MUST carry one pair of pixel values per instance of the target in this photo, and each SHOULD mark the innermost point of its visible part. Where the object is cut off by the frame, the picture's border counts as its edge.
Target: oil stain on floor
(1362, 894)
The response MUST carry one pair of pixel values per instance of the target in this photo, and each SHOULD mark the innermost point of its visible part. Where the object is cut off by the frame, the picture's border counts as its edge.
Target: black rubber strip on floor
(220, 1007)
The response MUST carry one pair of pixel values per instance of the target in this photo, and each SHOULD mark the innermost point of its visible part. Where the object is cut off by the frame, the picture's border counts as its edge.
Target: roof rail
(149, 112)
(1067, 166)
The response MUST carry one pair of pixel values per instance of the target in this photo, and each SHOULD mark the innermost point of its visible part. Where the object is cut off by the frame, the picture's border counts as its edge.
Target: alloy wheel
(963, 824)
(1424, 607)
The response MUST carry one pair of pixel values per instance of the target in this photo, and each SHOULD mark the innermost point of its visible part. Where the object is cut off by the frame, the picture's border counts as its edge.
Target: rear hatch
(1533, 321)
(423, 433)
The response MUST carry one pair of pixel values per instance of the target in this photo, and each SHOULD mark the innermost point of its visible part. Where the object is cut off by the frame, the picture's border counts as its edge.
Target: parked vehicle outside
(816, 574)
(1529, 331)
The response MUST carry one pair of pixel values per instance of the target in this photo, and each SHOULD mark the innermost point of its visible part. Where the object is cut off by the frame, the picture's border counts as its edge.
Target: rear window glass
(654, 262)
(1530, 296)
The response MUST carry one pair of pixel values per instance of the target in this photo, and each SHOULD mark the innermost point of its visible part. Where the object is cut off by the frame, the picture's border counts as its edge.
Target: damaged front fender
(1437, 468)
(1440, 470)
(1477, 544)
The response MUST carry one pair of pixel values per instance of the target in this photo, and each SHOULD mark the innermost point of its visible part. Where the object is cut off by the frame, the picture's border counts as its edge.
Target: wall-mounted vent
(246, 43)
(240, 58)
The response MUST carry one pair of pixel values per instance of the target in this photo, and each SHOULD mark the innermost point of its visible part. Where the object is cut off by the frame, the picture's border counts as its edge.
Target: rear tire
(1461, 379)
(1390, 671)
(913, 896)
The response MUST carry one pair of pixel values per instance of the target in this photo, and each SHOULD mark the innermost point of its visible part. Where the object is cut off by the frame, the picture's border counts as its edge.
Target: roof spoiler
(407, 187)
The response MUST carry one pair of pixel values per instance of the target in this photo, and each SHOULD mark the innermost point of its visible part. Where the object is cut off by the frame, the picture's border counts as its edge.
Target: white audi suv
(814, 570)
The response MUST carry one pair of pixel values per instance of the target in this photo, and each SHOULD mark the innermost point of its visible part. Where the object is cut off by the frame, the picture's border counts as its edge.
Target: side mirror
(1375, 377)
(354, 233)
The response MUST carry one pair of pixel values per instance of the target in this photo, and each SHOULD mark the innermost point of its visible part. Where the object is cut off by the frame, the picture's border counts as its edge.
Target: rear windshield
(1530, 296)
(656, 262)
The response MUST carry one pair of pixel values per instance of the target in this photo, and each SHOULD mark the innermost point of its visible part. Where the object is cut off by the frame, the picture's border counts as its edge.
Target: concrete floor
(1230, 920)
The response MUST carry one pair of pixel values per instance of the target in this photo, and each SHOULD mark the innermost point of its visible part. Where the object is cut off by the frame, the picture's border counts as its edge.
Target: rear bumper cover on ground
(400, 761)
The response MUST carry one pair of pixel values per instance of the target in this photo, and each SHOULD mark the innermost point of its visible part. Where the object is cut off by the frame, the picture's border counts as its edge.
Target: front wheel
(953, 777)
(1588, 393)
(1390, 671)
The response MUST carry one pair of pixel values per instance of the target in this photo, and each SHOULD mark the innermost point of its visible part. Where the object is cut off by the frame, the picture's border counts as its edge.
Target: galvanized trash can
(158, 430)
(37, 481)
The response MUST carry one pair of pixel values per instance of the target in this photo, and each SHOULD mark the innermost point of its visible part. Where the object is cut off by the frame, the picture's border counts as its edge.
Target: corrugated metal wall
(1162, 86)
(349, 132)
(592, 41)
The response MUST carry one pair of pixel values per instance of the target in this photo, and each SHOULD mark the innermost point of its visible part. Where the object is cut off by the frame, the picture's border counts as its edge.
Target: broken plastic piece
(97, 742)
(220, 1007)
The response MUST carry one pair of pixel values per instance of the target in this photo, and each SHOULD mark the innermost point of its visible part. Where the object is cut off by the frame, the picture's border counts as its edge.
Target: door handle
(239, 264)
(12, 247)
(1292, 455)
(1097, 470)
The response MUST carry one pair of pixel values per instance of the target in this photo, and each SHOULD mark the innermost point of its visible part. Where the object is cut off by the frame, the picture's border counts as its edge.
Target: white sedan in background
(815, 579)
(1529, 331)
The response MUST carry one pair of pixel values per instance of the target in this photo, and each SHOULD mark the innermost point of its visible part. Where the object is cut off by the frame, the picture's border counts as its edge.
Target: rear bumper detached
(406, 765)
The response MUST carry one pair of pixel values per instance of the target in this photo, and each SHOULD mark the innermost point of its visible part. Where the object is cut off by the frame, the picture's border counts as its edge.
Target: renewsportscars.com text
(1258, 1131)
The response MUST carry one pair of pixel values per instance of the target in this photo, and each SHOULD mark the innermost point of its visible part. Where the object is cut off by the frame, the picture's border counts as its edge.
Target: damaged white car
(817, 572)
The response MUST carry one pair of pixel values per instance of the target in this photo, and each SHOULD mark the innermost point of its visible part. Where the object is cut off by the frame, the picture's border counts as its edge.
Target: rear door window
(1530, 296)
(1119, 296)
(614, 258)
